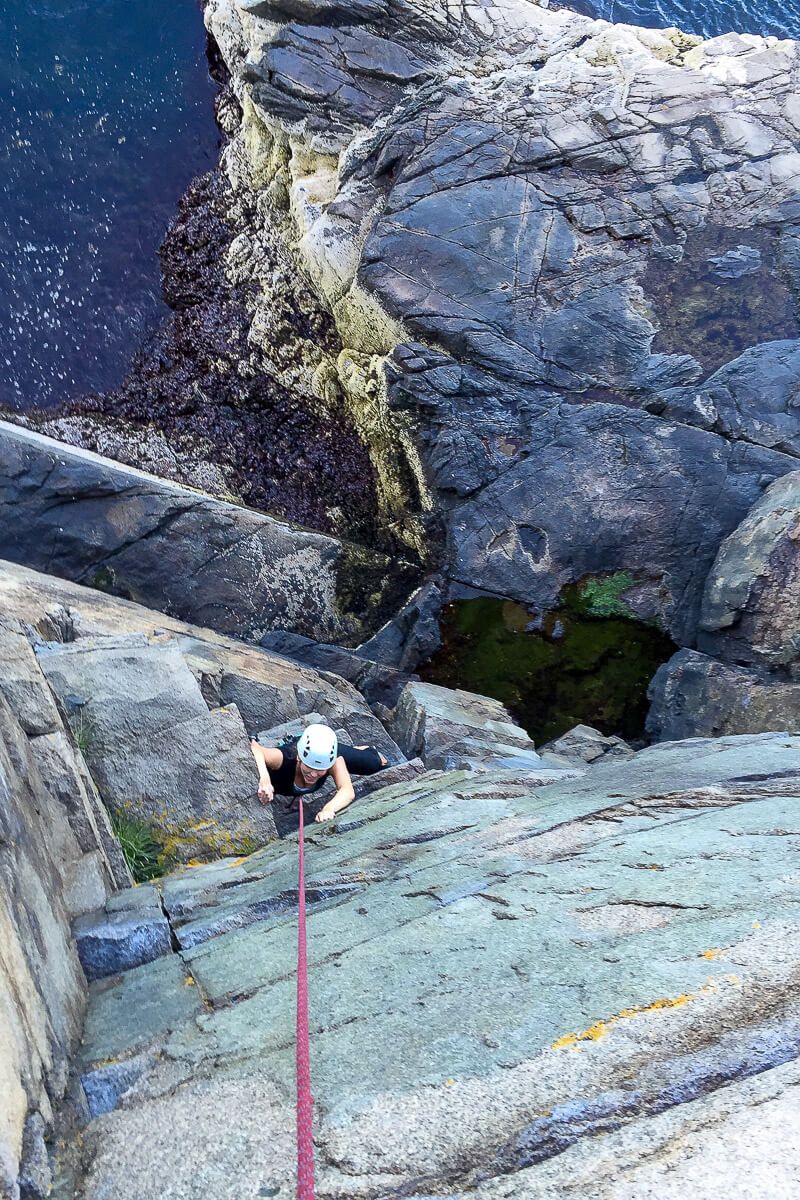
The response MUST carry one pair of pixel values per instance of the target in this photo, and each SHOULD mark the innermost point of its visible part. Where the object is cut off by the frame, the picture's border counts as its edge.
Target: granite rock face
(554, 307)
(235, 570)
(43, 885)
(577, 988)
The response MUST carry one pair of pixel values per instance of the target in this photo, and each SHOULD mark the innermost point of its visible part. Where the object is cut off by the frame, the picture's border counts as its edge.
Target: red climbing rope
(305, 1101)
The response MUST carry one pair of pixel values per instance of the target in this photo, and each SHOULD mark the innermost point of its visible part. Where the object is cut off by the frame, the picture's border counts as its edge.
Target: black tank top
(282, 778)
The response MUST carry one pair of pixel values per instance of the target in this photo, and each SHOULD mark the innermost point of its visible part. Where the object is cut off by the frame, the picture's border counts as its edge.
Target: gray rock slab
(97, 522)
(109, 943)
(738, 1139)
(600, 949)
(68, 780)
(119, 689)
(693, 695)
(22, 684)
(136, 1010)
(87, 884)
(42, 986)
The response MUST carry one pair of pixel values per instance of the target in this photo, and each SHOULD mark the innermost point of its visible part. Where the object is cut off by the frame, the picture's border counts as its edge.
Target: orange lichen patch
(756, 924)
(714, 953)
(189, 981)
(600, 1028)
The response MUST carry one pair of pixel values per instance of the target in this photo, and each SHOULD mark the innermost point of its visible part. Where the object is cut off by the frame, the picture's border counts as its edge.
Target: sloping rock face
(88, 519)
(559, 314)
(58, 860)
(163, 712)
(580, 988)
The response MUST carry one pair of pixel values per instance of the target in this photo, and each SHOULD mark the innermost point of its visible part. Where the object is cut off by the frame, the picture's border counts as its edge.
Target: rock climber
(301, 768)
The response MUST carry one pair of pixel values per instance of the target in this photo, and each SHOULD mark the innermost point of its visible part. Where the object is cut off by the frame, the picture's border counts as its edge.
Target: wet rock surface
(575, 988)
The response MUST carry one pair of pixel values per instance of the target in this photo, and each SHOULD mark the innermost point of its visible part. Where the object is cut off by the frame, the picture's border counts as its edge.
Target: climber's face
(309, 775)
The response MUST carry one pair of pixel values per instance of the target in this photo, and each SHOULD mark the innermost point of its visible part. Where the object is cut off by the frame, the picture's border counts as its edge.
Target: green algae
(587, 663)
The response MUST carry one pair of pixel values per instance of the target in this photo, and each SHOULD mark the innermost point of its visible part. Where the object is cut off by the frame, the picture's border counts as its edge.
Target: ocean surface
(773, 18)
(107, 115)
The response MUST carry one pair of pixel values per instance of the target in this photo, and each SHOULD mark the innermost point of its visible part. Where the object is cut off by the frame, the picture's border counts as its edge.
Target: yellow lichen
(600, 1028)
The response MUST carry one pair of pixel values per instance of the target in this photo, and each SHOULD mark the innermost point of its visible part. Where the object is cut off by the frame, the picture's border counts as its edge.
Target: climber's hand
(326, 814)
(266, 792)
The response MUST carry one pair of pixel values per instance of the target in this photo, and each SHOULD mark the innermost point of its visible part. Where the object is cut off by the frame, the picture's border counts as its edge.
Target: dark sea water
(107, 112)
(776, 18)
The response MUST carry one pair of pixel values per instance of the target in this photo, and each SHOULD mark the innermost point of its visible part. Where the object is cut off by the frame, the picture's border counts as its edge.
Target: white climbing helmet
(318, 747)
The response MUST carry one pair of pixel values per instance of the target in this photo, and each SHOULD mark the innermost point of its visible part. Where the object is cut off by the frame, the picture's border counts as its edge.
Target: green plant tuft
(82, 730)
(139, 847)
(602, 597)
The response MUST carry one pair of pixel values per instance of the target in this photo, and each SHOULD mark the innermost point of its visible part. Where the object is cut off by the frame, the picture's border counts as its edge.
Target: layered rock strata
(58, 860)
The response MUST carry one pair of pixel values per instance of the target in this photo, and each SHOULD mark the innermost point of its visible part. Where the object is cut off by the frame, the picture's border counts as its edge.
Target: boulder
(751, 602)
(587, 745)
(88, 519)
(444, 727)
(693, 695)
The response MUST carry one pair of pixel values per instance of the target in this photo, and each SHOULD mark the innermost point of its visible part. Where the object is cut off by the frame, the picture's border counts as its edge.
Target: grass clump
(82, 731)
(139, 847)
